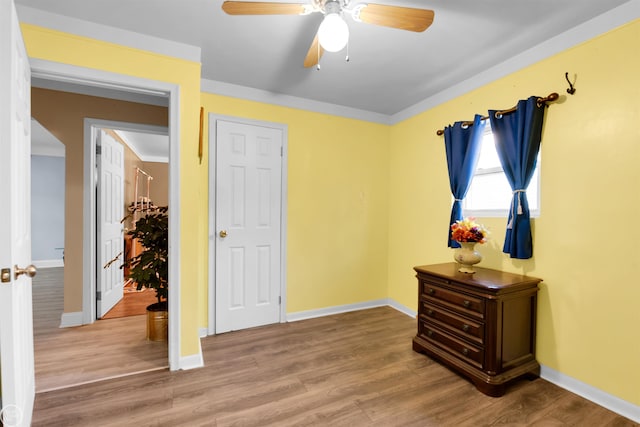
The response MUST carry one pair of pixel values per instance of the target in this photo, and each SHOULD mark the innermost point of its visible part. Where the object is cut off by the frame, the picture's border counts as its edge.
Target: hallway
(105, 349)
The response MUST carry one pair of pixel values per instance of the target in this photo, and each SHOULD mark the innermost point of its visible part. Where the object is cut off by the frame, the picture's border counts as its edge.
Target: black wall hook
(571, 89)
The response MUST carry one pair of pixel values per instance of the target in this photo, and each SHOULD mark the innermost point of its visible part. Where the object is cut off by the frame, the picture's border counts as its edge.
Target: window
(490, 194)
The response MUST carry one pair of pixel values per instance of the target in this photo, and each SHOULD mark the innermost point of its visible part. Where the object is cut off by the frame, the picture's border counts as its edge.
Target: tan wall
(160, 184)
(63, 115)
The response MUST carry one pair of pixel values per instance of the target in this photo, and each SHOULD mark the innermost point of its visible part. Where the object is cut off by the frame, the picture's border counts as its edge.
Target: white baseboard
(203, 332)
(69, 320)
(192, 361)
(48, 263)
(615, 404)
(402, 309)
(328, 311)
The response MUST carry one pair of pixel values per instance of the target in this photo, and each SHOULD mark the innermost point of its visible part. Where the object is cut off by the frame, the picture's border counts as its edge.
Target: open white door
(16, 321)
(248, 221)
(110, 212)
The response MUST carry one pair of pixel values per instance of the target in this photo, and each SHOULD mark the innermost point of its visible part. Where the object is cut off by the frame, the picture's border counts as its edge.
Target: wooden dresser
(482, 325)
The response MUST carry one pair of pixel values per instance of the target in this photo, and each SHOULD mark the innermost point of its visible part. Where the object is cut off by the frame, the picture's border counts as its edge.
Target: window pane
(488, 154)
(490, 191)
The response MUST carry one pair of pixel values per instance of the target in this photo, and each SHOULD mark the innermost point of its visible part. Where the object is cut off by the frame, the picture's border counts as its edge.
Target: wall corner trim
(69, 320)
(191, 361)
(613, 403)
(402, 309)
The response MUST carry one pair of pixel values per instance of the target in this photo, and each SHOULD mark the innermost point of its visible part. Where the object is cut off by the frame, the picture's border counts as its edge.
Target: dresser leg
(493, 390)
(531, 376)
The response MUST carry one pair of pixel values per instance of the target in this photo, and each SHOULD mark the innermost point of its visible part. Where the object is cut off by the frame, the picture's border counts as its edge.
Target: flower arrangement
(468, 230)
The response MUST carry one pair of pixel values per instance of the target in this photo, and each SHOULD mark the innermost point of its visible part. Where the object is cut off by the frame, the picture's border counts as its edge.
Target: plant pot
(157, 322)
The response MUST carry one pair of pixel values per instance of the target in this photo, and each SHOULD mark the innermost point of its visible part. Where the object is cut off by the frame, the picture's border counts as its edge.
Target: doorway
(118, 84)
(247, 223)
(146, 184)
(114, 353)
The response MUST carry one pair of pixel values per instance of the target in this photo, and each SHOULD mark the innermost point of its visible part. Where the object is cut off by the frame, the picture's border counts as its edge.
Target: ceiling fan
(333, 33)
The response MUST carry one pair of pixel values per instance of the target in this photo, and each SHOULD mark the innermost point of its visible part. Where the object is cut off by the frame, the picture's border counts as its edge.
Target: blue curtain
(517, 137)
(463, 149)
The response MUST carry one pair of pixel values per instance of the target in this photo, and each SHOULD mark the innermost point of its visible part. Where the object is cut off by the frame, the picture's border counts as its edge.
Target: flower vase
(467, 257)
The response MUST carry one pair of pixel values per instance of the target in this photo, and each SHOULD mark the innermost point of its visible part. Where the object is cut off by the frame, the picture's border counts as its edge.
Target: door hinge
(98, 150)
(99, 296)
(6, 275)
(281, 151)
(279, 300)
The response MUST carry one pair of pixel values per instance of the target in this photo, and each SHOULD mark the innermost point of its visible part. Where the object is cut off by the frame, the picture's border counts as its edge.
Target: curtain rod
(551, 98)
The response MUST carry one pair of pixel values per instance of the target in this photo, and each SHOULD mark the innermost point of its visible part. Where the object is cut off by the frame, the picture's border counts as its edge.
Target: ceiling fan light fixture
(333, 33)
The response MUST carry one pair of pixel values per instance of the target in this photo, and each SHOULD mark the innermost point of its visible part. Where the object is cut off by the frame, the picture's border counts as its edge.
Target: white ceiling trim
(48, 151)
(155, 159)
(580, 34)
(259, 95)
(102, 92)
(588, 30)
(108, 34)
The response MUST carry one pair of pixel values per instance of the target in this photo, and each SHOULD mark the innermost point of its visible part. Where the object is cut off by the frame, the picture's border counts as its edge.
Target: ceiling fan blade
(314, 54)
(403, 18)
(262, 8)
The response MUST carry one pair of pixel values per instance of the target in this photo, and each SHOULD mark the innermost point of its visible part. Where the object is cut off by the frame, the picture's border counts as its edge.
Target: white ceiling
(389, 70)
(43, 143)
(148, 147)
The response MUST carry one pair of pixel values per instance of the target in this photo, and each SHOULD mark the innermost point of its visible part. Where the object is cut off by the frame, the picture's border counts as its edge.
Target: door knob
(223, 233)
(29, 271)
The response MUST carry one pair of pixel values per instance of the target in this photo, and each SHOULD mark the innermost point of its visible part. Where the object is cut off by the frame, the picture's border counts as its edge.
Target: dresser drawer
(467, 352)
(457, 301)
(466, 328)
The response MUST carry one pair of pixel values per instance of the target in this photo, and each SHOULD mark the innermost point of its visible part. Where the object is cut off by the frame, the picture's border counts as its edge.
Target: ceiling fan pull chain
(318, 64)
(347, 58)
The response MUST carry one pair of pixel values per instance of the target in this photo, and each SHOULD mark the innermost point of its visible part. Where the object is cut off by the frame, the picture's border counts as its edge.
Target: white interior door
(16, 321)
(110, 211)
(248, 218)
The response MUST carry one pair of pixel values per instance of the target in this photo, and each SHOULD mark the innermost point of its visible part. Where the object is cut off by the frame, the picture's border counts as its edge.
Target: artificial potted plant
(150, 268)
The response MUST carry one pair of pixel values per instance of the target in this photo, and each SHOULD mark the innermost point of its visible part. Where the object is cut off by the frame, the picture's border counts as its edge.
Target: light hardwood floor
(352, 369)
(133, 303)
(104, 349)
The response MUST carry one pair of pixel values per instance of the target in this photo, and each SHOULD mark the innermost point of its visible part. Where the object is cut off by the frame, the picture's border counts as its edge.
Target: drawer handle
(465, 351)
(467, 303)
(429, 312)
(465, 327)
(429, 332)
(431, 291)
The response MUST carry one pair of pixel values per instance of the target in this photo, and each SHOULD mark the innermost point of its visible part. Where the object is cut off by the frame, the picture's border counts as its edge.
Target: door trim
(91, 127)
(213, 119)
(49, 70)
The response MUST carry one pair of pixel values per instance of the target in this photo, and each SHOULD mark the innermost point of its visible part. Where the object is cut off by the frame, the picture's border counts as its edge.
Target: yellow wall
(338, 178)
(368, 202)
(80, 51)
(587, 315)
